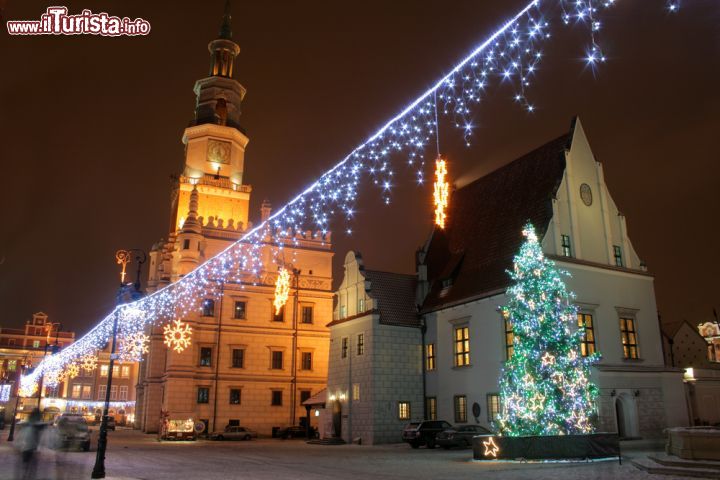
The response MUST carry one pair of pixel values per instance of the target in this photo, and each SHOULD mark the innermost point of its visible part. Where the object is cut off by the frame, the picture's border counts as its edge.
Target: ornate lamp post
(127, 292)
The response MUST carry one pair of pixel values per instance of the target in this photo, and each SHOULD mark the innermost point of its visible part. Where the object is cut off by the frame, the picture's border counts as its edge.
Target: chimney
(265, 210)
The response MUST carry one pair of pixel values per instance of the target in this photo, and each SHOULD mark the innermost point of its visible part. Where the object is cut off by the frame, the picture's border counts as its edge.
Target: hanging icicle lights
(510, 55)
(282, 290)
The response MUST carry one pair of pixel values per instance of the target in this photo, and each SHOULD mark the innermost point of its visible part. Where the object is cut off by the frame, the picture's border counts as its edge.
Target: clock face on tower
(218, 151)
(586, 194)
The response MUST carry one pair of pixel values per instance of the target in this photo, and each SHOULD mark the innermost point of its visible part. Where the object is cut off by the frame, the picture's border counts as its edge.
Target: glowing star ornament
(440, 192)
(548, 360)
(491, 449)
(177, 335)
(282, 290)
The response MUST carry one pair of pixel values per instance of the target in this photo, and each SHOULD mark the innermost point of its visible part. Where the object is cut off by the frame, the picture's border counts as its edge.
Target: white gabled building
(561, 189)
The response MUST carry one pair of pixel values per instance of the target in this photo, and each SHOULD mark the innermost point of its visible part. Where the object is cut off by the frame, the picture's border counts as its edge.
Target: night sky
(91, 127)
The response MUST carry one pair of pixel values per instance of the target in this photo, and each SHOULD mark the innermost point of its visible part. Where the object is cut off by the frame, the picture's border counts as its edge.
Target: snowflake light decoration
(282, 289)
(89, 362)
(72, 370)
(133, 346)
(177, 335)
(29, 390)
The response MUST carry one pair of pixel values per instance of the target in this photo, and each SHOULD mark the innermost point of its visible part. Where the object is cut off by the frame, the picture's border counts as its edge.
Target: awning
(317, 400)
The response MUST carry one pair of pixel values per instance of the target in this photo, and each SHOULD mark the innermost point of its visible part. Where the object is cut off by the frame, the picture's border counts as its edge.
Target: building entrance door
(337, 419)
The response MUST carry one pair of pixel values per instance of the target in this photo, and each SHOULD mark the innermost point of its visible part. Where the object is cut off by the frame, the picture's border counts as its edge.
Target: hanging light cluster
(282, 290)
(510, 56)
(440, 192)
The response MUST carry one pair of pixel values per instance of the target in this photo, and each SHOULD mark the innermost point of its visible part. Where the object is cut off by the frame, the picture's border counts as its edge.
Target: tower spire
(226, 28)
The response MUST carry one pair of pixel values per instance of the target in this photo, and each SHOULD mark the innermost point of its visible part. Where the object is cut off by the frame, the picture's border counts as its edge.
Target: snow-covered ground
(132, 455)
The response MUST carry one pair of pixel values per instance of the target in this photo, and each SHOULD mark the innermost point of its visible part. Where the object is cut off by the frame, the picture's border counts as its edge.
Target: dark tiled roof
(470, 257)
(395, 295)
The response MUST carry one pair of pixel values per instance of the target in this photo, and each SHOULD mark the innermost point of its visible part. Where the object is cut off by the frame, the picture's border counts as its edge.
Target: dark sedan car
(460, 436)
(423, 433)
(295, 432)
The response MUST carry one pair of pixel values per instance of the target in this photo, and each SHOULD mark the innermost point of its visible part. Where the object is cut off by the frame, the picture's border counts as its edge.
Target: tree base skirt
(550, 447)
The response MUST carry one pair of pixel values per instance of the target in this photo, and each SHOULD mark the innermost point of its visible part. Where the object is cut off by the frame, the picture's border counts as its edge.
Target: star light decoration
(544, 386)
(440, 192)
(177, 335)
(510, 56)
(282, 290)
(491, 449)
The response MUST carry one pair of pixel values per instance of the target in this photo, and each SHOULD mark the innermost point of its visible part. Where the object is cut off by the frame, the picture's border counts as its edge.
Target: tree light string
(511, 55)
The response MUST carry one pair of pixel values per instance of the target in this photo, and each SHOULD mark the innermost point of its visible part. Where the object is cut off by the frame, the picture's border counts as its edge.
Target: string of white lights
(510, 55)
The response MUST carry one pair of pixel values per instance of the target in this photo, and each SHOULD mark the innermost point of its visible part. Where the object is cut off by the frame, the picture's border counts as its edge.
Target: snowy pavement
(132, 455)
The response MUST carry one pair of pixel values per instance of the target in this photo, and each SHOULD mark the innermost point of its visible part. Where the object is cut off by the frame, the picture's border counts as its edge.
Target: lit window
(361, 344)
(123, 392)
(205, 356)
(493, 407)
(617, 253)
(306, 361)
(431, 405)
(509, 337)
(102, 391)
(430, 356)
(125, 371)
(208, 307)
(361, 305)
(307, 314)
(240, 310)
(460, 408)
(629, 337)
(235, 396)
(566, 249)
(86, 392)
(238, 358)
(356, 392)
(203, 395)
(113, 392)
(344, 348)
(343, 311)
(404, 410)
(277, 360)
(12, 365)
(276, 399)
(76, 390)
(116, 370)
(104, 370)
(462, 346)
(36, 343)
(585, 323)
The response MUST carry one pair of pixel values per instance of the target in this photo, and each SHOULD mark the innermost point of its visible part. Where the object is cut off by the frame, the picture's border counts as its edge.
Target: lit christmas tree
(545, 387)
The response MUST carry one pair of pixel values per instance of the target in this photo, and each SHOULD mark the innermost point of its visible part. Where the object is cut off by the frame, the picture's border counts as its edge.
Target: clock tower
(215, 143)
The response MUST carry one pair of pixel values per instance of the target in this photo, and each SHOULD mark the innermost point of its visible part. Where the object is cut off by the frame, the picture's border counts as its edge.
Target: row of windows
(123, 372)
(460, 409)
(235, 396)
(240, 311)
(359, 345)
(461, 342)
(567, 250)
(85, 392)
(277, 358)
(360, 308)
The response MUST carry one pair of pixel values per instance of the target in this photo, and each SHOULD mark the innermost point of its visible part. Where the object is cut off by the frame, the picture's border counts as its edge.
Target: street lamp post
(123, 257)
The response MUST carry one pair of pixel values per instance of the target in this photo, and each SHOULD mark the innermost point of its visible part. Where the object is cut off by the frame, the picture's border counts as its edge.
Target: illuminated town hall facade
(246, 365)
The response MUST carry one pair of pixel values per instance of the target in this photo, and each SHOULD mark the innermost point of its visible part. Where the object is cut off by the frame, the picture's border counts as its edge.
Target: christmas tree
(545, 387)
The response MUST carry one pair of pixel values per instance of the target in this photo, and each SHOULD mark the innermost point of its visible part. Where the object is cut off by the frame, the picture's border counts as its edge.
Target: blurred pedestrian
(29, 440)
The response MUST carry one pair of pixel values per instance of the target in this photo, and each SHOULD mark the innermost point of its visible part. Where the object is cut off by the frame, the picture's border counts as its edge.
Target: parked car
(71, 431)
(460, 436)
(296, 431)
(235, 433)
(424, 433)
(111, 423)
